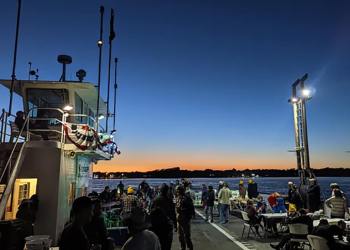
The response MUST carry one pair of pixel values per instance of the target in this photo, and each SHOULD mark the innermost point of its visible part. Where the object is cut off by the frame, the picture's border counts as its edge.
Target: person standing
(204, 195)
(294, 197)
(140, 236)
(210, 204)
(184, 213)
(252, 189)
(120, 187)
(224, 201)
(313, 196)
(221, 184)
(338, 205)
(73, 236)
(130, 202)
(163, 217)
(242, 190)
(105, 196)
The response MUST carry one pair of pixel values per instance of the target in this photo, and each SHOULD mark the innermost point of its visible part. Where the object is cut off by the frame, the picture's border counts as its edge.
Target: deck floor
(208, 236)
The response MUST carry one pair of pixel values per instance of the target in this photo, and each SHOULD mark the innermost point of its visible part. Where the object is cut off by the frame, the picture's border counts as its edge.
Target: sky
(202, 83)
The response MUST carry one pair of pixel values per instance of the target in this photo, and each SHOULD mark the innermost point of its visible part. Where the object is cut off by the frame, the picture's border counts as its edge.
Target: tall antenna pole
(115, 91)
(13, 76)
(111, 37)
(99, 44)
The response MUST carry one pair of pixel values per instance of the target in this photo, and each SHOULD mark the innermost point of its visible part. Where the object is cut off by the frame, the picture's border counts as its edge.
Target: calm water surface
(265, 184)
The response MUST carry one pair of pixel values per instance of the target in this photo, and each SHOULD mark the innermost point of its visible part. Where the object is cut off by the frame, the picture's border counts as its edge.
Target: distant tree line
(176, 172)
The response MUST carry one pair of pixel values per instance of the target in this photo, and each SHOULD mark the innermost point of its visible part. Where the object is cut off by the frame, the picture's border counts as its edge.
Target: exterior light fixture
(68, 108)
(99, 42)
(294, 100)
(306, 92)
(101, 117)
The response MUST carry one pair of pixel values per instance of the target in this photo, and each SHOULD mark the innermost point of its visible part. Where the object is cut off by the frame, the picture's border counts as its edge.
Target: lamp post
(300, 95)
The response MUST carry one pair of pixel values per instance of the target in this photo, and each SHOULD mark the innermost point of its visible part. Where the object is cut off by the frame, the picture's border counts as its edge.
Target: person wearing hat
(224, 201)
(221, 185)
(130, 201)
(294, 197)
(141, 237)
(252, 189)
(338, 205)
(313, 196)
(73, 236)
(335, 186)
(242, 190)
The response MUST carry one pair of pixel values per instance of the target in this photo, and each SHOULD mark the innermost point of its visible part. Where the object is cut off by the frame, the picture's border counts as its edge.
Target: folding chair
(318, 243)
(298, 233)
(247, 223)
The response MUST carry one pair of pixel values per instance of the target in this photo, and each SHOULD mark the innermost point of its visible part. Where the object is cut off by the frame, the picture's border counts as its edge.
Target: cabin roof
(87, 91)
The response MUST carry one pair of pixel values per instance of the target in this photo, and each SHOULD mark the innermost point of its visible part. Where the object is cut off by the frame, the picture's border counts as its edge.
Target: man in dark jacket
(314, 196)
(105, 196)
(294, 197)
(163, 217)
(184, 213)
(210, 198)
(252, 189)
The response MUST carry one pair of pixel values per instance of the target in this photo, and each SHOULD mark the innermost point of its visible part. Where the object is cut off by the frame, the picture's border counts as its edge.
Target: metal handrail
(14, 148)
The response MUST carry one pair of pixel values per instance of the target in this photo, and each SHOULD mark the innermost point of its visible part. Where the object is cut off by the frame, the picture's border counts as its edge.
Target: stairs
(5, 153)
(9, 170)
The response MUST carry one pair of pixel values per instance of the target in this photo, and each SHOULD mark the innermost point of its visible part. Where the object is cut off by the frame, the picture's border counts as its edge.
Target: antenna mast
(99, 44)
(111, 38)
(13, 76)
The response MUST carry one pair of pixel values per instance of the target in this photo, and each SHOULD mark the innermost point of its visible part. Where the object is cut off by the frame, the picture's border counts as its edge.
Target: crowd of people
(151, 216)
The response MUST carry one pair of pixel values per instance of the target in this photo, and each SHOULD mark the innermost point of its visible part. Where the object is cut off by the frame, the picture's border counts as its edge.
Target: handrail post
(3, 124)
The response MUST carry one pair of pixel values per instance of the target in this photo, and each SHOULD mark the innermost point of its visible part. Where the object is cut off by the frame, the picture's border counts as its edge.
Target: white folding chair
(299, 234)
(318, 243)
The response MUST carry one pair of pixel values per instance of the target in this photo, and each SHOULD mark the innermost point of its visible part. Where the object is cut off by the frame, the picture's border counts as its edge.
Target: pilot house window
(46, 98)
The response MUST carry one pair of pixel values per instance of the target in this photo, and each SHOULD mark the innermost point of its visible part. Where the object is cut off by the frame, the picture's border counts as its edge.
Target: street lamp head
(306, 93)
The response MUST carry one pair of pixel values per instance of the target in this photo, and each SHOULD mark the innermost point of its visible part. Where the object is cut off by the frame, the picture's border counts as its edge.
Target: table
(274, 215)
(272, 218)
(331, 221)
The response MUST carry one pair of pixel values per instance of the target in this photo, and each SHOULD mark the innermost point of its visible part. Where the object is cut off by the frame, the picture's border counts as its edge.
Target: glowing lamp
(68, 108)
(306, 92)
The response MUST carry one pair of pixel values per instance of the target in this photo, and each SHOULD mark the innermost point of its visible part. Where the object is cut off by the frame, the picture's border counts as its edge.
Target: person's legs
(226, 210)
(187, 232)
(219, 209)
(206, 212)
(222, 213)
(181, 236)
(211, 208)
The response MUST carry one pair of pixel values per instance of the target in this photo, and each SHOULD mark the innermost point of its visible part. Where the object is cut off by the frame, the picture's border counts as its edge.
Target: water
(266, 185)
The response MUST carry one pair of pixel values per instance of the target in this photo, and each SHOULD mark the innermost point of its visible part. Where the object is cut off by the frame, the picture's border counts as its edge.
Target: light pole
(300, 95)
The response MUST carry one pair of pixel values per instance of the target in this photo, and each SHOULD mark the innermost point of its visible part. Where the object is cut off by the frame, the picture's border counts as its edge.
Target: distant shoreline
(208, 173)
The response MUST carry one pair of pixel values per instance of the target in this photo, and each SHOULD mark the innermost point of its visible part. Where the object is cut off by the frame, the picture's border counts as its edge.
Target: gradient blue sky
(202, 83)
